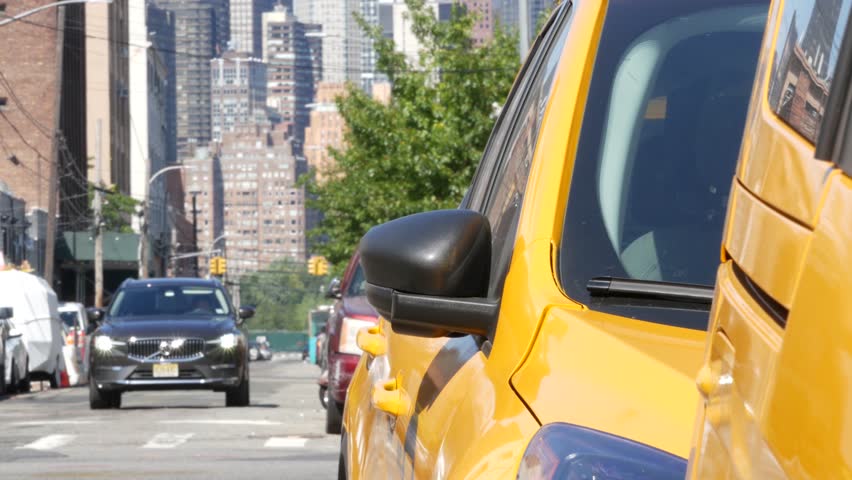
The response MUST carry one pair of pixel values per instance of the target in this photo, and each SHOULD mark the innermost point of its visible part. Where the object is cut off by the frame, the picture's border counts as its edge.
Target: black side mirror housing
(334, 289)
(245, 313)
(6, 312)
(95, 314)
(428, 273)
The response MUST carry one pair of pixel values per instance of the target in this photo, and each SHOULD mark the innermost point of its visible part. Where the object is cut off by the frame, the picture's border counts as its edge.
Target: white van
(36, 316)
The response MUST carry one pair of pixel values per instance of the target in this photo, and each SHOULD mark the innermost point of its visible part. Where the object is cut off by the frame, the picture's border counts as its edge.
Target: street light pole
(143, 230)
(27, 13)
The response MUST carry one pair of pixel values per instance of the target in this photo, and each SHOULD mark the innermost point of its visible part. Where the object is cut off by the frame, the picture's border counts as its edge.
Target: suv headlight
(228, 341)
(561, 450)
(103, 343)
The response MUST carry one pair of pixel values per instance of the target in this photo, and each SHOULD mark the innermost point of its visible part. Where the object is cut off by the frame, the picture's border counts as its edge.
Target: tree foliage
(419, 151)
(283, 295)
(117, 209)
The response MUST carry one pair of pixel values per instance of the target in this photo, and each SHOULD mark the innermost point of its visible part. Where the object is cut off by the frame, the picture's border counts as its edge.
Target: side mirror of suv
(244, 314)
(6, 312)
(95, 314)
(428, 273)
(334, 289)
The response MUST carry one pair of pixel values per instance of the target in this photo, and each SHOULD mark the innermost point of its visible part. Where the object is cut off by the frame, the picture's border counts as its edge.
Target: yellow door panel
(734, 380)
(768, 246)
(809, 422)
(776, 162)
(632, 378)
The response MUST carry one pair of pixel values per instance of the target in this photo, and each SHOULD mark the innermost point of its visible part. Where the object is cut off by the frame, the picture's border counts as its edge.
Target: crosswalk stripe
(49, 442)
(285, 442)
(167, 440)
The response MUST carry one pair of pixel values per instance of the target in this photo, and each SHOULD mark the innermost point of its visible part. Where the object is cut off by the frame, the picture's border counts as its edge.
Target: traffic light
(217, 266)
(322, 266)
(318, 265)
(313, 264)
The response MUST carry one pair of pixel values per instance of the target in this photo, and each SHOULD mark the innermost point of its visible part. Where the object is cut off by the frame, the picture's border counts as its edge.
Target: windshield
(358, 284)
(70, 319)
(168, 302)
(658, 147)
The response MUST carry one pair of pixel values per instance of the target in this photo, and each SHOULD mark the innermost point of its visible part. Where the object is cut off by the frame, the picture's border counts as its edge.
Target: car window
(807, 49)
(70, 319)
(658, 147)
(357, 286)
(169, 301)
(507, 182)
(476, 195)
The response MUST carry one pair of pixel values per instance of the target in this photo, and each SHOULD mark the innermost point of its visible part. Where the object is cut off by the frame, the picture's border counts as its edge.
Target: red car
(351, 313)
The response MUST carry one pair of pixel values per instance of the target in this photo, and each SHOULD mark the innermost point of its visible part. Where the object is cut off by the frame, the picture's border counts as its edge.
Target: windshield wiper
(650, 289)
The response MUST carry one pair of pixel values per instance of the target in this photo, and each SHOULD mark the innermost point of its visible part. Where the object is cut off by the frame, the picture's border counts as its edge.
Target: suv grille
(150, 349)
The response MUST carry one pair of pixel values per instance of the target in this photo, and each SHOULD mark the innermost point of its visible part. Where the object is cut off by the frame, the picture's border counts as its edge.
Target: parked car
(254, 351)
(75, 320)
(169, 334)
(775, 383)
(552, 326)
(36, 317)
(264, 349)
(351, 313)
(14, 362)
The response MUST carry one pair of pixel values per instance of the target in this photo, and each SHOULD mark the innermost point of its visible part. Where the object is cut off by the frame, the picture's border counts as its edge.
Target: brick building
(237, 93)
(325, 127)
(43, 122)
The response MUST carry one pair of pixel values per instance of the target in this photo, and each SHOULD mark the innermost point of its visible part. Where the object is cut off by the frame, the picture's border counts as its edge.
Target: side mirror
(95, 314)
(428, 273)
(245, 313)
(6, 312)
(334, 289)
(91, 327)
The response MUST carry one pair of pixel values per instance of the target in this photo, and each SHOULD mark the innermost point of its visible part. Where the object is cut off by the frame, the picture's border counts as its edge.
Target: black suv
(168, 333)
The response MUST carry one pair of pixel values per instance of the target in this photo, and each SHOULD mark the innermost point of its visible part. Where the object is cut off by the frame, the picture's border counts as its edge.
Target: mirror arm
(433, 316)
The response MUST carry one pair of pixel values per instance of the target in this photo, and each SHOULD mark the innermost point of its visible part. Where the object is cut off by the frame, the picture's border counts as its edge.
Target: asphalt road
(173, 435)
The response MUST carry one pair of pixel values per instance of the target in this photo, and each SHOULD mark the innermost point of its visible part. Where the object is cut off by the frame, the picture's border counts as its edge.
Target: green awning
(80, 247)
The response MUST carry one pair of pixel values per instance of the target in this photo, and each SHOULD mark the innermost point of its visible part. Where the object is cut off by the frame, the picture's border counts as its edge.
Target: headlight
(103, 343)
(228, 341)
(560, 450)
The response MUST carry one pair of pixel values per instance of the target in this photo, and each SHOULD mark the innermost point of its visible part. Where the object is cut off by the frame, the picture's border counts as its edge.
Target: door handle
(372, 340)
(389, 397)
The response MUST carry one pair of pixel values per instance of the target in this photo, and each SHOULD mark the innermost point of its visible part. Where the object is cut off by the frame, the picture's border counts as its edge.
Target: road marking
(49, 442)
(285, 442)
(36, 423)
(221, 422)
(167, 440)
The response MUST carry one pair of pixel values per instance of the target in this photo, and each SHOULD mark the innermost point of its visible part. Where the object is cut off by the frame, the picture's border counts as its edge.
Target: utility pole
(195, 230)
(99, 238)
(524, 28)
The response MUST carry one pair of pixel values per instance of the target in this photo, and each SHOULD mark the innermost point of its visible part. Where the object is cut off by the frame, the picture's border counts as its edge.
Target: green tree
(419, 151)
(282, 294)
(117, 209)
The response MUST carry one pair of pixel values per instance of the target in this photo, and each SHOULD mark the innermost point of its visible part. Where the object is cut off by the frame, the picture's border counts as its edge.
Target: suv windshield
(658, 147)
(168, 302)
(357, 286)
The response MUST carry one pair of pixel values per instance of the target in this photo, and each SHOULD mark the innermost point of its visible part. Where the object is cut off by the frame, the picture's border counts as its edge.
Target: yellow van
(552, 326)
(777, 374)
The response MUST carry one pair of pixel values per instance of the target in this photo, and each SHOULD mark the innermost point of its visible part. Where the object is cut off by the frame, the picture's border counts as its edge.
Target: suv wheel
(333, 417)
(24, 386)
(101, 399)
(238, 396)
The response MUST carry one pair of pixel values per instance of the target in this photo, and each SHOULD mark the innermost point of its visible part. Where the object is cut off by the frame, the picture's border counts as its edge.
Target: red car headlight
(570, 452)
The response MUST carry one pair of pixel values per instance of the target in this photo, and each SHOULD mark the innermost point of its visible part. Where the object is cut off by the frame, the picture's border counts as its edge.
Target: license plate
(165, 370)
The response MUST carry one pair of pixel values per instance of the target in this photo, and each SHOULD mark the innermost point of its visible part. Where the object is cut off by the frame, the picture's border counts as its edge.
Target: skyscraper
(292, 51)
(201, 32)
(245, 18)
(237, 93)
